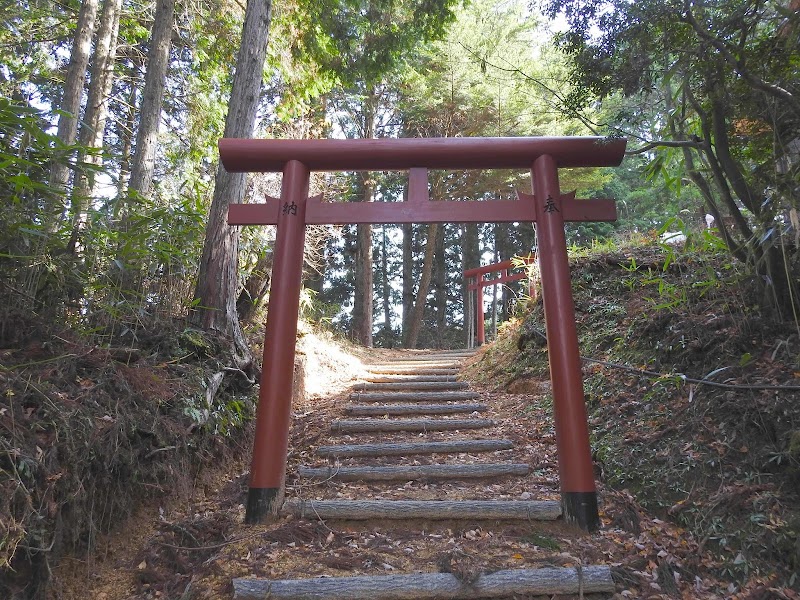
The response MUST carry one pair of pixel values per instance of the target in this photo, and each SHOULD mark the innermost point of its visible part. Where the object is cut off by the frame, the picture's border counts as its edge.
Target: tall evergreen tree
(93, 124)
(72, 97)
(217, 282)
(144, 157)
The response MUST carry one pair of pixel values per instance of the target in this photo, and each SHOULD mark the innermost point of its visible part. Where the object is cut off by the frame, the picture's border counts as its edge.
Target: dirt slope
(693, 388)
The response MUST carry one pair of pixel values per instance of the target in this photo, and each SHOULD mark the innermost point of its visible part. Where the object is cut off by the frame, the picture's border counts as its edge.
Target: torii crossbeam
(547, 207)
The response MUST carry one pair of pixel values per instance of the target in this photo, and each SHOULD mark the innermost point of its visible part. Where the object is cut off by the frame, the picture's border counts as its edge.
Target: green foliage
(361, 41)
(321, 46)
(223, 416)
(646, 203)
(157, 252)
(31, 35)
(713, 88)
(142, 272)
(25, 147)
(36, 275)
(543, 541)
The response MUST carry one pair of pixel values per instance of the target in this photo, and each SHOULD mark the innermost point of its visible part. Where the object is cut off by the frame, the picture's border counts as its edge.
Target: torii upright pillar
(273, 417)
(546, 207)
(575, 470)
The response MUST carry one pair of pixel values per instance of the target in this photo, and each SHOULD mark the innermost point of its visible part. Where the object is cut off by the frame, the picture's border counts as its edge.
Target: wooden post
(578, 492)
(268, 468)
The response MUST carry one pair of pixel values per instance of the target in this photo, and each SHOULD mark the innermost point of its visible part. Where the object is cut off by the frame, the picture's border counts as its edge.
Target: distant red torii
(475, 282)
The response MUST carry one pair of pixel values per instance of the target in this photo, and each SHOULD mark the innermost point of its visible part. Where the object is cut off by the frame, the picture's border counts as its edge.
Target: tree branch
(739, 64)
(665, 144)
(697, 177)
(560, 106)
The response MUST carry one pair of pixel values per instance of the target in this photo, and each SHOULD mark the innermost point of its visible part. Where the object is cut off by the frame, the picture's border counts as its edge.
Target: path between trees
(435, 491)
(422, 434)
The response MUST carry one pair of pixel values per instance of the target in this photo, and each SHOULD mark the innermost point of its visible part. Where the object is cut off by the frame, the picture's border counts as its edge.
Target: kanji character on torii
(547, 207)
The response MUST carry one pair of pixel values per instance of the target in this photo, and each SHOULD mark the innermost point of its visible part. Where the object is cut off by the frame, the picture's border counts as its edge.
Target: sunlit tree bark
(143, 164)
(217, 284)
(418, 311)
(71, 100)
(94, 117)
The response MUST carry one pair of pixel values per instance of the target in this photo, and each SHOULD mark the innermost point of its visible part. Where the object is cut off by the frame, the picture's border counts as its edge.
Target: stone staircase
(412, 421)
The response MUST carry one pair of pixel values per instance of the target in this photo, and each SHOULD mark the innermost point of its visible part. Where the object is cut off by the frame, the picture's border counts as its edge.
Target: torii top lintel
(393, 154)
(417, 155)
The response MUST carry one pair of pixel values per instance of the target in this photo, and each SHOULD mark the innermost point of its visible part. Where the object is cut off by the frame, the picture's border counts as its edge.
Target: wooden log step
(430, 351)
(361, 510)
(413, 396)
(389, 370)
(419, 364)
(406, 449)
(430, 358)
(411, 472)
(367, 410)
(365, 425)
(420, 360)
(441, 351)
(409, 378)
(509, 583)
(412, 385)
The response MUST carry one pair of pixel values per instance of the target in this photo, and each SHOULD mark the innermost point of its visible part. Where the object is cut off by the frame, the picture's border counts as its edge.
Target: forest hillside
(99, 439)
(130, 476)
(131, 312)
(693, 395)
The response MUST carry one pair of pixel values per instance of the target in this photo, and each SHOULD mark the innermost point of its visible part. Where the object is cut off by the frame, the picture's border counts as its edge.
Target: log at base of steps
(360, 510)
(428, 586)
(409, 473)
(415, 384)
(406, 449)
(368, 425)
(413, 409)
(413, 396)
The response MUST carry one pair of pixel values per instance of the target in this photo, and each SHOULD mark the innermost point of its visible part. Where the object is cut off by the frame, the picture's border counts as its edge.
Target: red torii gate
(547, 207)
(477, 287)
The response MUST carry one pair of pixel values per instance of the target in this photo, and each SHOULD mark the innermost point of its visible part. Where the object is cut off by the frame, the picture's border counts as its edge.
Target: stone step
(359, 410)
(406, 449)
(361, 510)
(413, 472)
(365, 425)
(413, 396)
(549, 582)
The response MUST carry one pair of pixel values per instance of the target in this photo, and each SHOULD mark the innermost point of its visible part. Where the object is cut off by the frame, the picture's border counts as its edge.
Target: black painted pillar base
(262, 505)
(580, 508)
